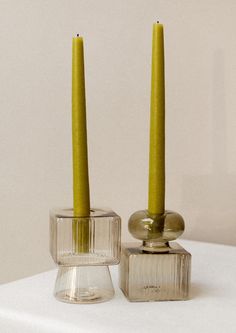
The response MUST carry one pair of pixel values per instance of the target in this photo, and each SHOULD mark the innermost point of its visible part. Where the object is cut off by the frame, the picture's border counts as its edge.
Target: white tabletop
(28, 305)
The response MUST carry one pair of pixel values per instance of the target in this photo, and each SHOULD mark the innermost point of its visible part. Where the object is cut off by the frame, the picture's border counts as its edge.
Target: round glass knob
(156, 230)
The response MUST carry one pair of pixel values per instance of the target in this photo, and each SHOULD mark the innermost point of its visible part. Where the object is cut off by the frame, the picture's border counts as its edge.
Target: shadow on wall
(209, 200)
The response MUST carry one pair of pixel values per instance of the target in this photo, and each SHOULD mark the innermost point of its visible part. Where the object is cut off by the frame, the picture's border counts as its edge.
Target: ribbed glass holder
(146, 276)
(83, 247)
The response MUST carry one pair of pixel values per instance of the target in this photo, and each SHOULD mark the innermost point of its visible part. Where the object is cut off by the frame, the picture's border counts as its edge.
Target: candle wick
(158, 21)
(77, 35)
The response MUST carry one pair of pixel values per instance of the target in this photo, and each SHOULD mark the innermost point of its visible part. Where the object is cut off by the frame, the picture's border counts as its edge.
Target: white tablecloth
(28, 305)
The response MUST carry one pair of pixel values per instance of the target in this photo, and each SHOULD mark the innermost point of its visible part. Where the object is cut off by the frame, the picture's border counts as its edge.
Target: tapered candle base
(83, 247)
(154, 276)
(83, 284)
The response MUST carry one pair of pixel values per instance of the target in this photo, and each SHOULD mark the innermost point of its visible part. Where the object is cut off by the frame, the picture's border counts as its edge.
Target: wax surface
(79, 132)
(156, 199)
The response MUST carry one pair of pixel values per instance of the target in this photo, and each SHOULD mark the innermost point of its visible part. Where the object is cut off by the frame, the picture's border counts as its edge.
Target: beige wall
(35, 125)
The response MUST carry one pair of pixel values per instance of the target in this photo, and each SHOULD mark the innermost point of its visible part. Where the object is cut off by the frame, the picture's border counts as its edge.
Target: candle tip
(158, 21)
(77, 35)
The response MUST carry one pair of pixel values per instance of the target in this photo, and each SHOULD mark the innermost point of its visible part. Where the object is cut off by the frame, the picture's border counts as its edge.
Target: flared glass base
(83, 284)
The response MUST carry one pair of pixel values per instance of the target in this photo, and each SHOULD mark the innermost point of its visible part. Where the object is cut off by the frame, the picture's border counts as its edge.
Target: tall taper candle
(79, 132)
(156, 199)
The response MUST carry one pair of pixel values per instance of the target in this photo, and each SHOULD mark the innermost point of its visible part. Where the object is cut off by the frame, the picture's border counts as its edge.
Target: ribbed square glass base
(155, 276)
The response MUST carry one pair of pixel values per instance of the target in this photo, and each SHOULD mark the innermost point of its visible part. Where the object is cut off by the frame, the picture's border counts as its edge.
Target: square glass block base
(154, 276)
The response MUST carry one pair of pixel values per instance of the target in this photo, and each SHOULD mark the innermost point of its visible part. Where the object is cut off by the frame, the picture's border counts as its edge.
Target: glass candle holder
(156, 269)
(83, 247)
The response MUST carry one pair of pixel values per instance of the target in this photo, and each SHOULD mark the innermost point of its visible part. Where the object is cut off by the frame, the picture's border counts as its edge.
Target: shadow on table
(199, 290)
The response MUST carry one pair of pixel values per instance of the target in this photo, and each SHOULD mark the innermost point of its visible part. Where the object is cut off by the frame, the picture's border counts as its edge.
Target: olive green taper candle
(80, 153)
(156, 198)
(79, 132)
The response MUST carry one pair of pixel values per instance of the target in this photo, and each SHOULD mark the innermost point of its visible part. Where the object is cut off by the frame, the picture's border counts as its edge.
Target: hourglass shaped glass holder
(83, 248)
(155, 270)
